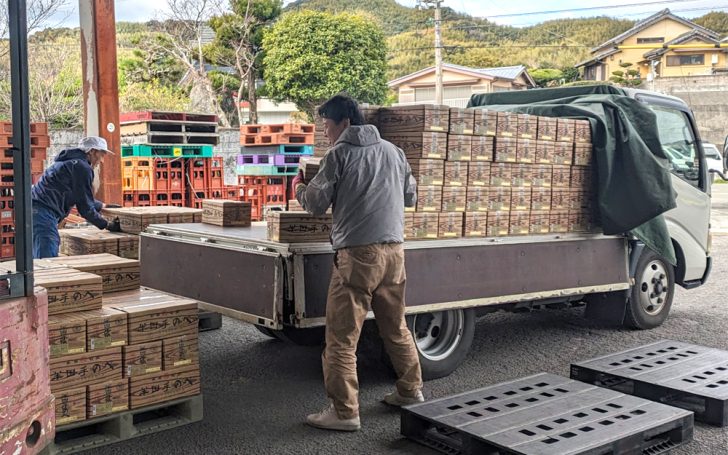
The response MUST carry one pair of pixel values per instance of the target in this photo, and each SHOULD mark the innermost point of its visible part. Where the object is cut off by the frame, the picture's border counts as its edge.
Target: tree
(38, 12)
(630, 77)
(311, 56)
(714, 20)
(238, 44)
(547, 77)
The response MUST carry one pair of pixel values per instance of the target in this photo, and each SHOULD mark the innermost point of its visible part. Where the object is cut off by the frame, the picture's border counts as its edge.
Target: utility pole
(438, 46)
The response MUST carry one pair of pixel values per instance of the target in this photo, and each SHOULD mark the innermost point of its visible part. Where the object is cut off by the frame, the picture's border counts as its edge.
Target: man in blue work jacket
(68, 182)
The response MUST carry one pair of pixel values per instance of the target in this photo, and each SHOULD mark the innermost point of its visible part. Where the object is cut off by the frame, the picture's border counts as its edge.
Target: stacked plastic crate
(39, 143)
(167, 159)
(269, 157)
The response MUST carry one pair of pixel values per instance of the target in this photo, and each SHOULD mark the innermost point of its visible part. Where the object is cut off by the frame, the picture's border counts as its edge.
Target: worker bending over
(68, 182)
(369, 182)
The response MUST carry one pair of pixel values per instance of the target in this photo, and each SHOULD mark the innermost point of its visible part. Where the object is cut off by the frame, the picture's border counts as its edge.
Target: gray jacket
(369, 182)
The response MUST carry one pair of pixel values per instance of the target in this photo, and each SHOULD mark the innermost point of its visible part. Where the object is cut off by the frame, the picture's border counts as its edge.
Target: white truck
(281, 288)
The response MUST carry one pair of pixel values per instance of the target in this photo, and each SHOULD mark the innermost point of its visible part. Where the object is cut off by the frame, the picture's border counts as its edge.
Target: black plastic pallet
(209, 320)
(679, 374)
(546, 414)
(101, 431)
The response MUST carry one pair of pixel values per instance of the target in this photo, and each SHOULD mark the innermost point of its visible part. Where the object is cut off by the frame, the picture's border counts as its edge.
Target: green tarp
(634, 185)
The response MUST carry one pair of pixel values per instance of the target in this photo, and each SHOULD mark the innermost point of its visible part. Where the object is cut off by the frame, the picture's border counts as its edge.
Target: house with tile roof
(700, 56)
(459, 83)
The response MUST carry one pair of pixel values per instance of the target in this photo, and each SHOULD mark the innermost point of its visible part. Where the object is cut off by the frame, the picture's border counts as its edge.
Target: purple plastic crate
(286, 160)
(255, 159)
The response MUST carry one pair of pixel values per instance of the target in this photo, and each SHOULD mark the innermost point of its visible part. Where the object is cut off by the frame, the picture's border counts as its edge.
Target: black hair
(340, 107)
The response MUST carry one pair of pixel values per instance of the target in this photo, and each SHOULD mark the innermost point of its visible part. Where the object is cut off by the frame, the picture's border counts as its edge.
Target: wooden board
(165, 386)
(527, 126)
(456, 173)
(84, 369)
(70, 290)
(459, 147)
(454, 199)
(428, 171)
(70, 405)
(298, 227)
(105, 328)
(310, 167)
(226, 213)
(66, 334)
(461, 121)
(180, 352)
(420, 145)
(117, 274)
(475, 224)
(107, 398)
(450, 225)
(479, 173)
(423, 117)
(142, 358)
(425, 225)
(477, 199)
(485, 122)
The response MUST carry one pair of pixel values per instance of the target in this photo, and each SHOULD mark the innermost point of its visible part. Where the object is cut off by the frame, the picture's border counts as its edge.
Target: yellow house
(459, 83)
(658, 30)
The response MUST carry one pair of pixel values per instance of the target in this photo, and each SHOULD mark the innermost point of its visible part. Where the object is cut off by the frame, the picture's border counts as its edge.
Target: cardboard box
(417, 118)
(501, 175)
(477, 199)
(561, 177)
(310, 166)
(540, 222)
(117, 274)
(429, 198)
(298, 227)
(180, 352)
(559, 221)
(540, 199)
(66, 334)
(476, 224)
(544, 152)
(498, 224)
(499, 200)
(79, 370)
(485, 122)
(520, 199)
(522, 175)
(450, 225)
(565, 130)
(428, 171)
(143, 358)
(454, 199)
(105, 328)
(459, 147)
(420, 145)
(560, 199)
(220, 212)
(563, 153)
(70, 405)
(542, 175)
(107, 398)
(506, 150)
(583, 155)
(461, 121)
(526, 151)
(519, 223)
(507, 124)
(425, 225)
(547, 128)
(479, 173)
(482, 148)
(163, 386)
(527, 126)
(582, 132)
(456, 173)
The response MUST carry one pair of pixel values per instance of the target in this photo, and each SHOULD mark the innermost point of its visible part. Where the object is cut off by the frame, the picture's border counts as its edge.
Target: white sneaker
(395, 399)
(329, 420)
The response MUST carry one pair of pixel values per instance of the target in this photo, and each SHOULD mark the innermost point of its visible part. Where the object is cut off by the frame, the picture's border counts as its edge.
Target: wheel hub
(654, 287)
(437, 335)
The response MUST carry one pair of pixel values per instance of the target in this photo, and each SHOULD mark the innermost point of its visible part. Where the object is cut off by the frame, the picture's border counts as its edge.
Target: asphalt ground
(257, 391)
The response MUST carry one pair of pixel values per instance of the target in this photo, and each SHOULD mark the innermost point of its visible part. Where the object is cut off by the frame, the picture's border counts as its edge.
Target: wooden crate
(522, 175)
(547, 128)
(582, 132)
(561, 177)
(565, 130)
(462, 121)
(519, 222)
(506, 150)
(164, 386)
(450, 225)
(84, 369)
(499, 200)
(485, 122)
(310, 166)
(526, 151)
(70, 405)
(298, 227)
(107, 398)
(520, 199)
(428, 171)
(295, 206)
(88, 241)
(581, 221)
(66, 334)
(477, 199)
(475, 224)
(454, 199)
(563, 153)
(226, 213)
(422, 117)
(70, 290)
(544, 152)
(429, 198)
(540, 222)
(105, 328)
(177, 215)
(142, 358)
(153, 315)
(370, 114)
(409, 219)
(507, 124)
(559, 221)
(540, 199)
(560, 199)
(542, 175)
(482, 148)
(479, 173)
(527, 126)
(456, 173)
(117, 274)
(459, 147)
(498, 224)
(180, 352)
(583, 155)
(581, 178)
(501, 174)
(420, 145)
(425, 225)
(134, 220)
(129, 246)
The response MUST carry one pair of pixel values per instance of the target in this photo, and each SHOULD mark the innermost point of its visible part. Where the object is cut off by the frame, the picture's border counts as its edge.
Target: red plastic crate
(137, 198)
(196, 174)
(7, 245)
(215, 172)
(7, 209)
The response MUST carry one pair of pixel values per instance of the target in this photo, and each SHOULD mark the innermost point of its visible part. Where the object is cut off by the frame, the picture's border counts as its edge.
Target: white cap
(94, 143)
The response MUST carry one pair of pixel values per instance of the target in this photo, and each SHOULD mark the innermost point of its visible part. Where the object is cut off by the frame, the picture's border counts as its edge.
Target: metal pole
(21, 141)
(438, 53)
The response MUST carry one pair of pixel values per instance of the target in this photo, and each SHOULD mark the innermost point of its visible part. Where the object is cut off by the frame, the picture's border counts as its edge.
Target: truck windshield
(678, 143)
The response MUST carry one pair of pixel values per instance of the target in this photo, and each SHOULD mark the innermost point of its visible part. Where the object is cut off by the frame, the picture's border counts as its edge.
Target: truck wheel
(651, 296)
(443, 340)
(314, 336)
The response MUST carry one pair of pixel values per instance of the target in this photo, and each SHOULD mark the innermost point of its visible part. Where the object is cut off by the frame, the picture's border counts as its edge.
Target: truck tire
(314, 336)
(651, 296)
(266, 331)
(443, 340)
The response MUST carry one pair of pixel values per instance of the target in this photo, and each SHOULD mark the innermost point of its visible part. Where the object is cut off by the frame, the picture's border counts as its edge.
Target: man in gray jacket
(369, 182)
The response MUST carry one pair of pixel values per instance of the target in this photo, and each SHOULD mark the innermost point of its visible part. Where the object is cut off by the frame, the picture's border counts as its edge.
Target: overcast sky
(496, 10)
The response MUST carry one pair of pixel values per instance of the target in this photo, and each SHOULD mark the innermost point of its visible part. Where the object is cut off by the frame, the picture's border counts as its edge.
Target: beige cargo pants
(364, 278)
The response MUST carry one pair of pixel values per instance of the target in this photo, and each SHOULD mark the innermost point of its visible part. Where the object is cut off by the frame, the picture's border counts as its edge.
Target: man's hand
(112, 206)
(297, 180)
(114, 225)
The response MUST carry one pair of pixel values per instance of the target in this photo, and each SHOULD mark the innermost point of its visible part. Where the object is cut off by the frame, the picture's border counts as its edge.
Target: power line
(589, 8)
(491, 46)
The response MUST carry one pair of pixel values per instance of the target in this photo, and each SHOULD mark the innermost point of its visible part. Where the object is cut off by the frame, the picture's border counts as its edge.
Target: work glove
(112, 206)
(114, 225)
(297, 180)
